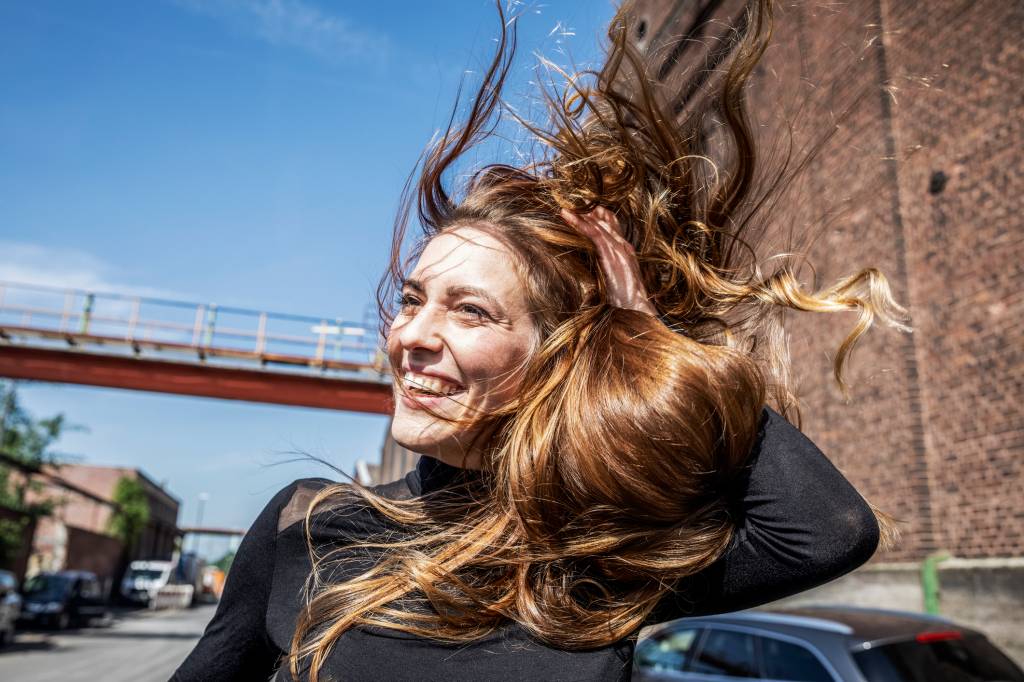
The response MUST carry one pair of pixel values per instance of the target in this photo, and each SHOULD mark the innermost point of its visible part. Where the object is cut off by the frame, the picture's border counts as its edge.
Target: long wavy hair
(609, 476)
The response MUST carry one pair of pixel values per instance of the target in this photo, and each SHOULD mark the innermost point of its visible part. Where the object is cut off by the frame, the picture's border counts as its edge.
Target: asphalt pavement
(139, 646)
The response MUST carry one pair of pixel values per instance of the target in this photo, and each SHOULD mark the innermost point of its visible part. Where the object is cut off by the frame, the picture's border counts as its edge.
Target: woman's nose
(421, 332)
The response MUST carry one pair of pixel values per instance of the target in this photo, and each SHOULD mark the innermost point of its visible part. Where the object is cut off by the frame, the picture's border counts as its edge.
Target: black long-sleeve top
(800, 524)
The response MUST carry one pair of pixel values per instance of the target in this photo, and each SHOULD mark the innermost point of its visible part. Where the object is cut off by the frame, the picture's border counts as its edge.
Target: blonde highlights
(609, 477)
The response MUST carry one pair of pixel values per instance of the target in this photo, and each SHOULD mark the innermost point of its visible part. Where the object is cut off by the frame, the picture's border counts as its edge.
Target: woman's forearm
(800, 523)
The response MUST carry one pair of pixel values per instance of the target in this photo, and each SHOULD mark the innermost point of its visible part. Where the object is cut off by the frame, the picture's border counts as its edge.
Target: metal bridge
(211, 530)
(200, 349)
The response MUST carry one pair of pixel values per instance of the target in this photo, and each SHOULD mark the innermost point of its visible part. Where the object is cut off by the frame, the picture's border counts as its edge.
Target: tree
(12, 533)
(131, 513)
(25, 446)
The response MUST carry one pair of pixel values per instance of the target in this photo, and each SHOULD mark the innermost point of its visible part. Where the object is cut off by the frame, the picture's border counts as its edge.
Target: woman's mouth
(425, 388)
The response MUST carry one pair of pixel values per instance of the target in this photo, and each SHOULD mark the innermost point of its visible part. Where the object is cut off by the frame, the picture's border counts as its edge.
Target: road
(141, 646)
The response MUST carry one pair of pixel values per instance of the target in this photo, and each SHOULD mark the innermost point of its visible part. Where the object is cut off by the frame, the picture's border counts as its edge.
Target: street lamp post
(203, 497)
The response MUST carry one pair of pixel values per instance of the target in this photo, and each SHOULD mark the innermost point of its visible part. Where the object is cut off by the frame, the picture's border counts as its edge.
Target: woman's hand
(617, 257)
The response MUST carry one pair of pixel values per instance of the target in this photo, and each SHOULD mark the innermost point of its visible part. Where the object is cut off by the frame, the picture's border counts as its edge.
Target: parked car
(826, 644)
(10, 606)
(144, 579)
(62, 599)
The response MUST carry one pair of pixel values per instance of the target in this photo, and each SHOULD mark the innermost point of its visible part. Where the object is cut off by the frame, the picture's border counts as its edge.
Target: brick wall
(87, 506)
(95, 552)
(158, 536)
(967, 258)
(922, 179)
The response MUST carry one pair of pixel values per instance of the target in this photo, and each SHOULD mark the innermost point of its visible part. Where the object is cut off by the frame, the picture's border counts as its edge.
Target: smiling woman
(583, 352)
(458, 343)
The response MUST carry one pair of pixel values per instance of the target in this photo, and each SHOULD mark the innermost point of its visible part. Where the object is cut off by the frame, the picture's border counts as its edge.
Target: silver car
(826, 644)
(10, 606)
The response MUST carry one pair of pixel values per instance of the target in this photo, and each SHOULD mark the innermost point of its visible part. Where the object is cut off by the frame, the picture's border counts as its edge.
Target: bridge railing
(202, 331)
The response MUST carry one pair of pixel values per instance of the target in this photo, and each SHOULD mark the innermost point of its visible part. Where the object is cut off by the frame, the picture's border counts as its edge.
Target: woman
(582, 354)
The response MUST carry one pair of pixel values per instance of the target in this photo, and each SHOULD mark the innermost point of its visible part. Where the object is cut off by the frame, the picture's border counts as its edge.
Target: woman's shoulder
(291, 504)
(776, 432)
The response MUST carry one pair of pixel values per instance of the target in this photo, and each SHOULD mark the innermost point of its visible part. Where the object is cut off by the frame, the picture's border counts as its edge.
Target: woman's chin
(434, 438)
(422, 423)
(420, 432)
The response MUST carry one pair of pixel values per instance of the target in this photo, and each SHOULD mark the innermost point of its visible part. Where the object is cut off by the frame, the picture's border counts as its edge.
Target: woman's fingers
(599, 223)
(616, 256)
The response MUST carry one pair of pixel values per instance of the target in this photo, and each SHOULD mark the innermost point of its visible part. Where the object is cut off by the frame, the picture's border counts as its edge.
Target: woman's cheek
(505, 381)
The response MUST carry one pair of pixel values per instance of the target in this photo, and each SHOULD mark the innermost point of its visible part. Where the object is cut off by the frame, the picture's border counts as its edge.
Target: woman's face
(462, 332)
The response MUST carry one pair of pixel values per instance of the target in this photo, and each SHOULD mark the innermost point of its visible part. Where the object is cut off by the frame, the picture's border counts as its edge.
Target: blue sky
(243, 152)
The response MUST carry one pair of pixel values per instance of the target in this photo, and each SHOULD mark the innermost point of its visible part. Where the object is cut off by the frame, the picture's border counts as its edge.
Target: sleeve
(801, 524)
(235, 644)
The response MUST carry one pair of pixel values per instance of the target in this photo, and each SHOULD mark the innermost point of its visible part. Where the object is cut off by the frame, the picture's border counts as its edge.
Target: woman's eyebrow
(413, 284)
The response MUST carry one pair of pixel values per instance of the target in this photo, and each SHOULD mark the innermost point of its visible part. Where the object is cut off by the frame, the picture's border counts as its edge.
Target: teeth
(429, 384)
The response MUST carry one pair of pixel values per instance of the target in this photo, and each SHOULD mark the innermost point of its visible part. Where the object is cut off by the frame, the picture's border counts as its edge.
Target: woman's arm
(800, 524)
(235, 645)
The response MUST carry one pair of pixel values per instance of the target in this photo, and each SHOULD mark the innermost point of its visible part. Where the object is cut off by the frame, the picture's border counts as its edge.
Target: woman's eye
(474, 311)
(405, 302)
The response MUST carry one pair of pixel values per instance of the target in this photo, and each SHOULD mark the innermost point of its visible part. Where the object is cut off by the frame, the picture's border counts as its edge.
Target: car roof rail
(796, 620)
(919, 615)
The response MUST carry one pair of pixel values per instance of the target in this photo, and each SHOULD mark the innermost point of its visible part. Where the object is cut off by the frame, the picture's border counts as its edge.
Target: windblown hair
(610, 476)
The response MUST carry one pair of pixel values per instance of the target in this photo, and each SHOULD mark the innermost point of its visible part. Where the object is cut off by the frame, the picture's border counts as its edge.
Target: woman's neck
(434, 474)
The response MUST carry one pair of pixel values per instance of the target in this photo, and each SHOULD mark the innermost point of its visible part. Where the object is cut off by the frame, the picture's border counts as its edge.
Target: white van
(144, 579)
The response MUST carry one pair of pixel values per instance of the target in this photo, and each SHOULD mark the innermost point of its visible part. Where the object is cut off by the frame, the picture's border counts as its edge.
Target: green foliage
(132, 512)
(21, 435)
(25, 447)
(11, 536)
(224, 563)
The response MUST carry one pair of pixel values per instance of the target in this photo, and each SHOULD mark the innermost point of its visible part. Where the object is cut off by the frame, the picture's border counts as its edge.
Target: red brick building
(76, 535)
(922, 178)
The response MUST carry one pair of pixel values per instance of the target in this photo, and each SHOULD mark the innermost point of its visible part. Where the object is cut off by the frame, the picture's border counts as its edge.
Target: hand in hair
(617, 257)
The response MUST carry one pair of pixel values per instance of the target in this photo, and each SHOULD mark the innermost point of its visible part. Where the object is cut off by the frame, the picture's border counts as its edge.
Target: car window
(724, 652)
(667, 651)
(90, 588)
(47, 587)
(791, 662)
(956, 659)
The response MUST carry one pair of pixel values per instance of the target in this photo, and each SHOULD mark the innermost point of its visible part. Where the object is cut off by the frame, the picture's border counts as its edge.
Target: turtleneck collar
(431, 475)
